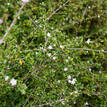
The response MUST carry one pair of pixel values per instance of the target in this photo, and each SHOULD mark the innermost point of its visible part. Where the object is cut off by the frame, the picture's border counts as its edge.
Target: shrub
(54, 53)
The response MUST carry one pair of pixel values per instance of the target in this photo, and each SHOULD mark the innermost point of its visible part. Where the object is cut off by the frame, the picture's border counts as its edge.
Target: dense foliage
(55, 54)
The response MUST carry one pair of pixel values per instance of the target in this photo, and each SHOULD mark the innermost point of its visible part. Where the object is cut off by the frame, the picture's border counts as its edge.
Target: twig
(74, 49)
(77, 22)
(54, 12)
(88, 50)
(50, 103)
(12, 24)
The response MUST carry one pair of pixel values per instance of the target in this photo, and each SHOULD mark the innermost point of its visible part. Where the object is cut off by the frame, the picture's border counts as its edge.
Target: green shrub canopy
(53, 53)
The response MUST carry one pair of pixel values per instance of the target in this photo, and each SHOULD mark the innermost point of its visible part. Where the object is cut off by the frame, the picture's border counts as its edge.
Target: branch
(12, 24)
(89, 50)
(56, 10)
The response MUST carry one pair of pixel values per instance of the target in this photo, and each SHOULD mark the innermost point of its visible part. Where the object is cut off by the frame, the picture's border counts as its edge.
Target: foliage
(57, 52)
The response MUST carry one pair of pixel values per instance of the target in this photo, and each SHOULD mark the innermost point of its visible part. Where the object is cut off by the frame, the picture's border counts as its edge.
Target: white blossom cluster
(1, 21)
(13, 81)
(76, 92)
(50, 47)
(73, 81)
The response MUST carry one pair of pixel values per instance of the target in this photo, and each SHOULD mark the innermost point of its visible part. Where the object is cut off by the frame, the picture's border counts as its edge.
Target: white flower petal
(98, 16)
(86, 103)
(59, 81)
(25, 1)
(54, 58)
(6, 78)
(69, 81)
(90, 69)
(48, 34)
(61, 46)
(69, 77)
(49, 54)
(88, 41)
(89, 7)
(13, 81)
(71, 93)
(50, 47)
(1, 21)
(67, 60)
(76, 92)
(65, 69)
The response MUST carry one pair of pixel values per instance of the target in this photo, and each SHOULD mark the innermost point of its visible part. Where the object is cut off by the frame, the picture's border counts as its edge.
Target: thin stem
(12, 24)
(54, 12)
(88, 49)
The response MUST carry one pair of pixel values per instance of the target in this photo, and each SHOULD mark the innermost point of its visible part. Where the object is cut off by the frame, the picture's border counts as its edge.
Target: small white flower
(66, 18)
(52, 28)
(13, 82)
(69, 81)
(48, 34)
(90, 69)
(88, 61)
(36, 21)
(6, 78)
(77, 37)
(69, 77)
(16, 46)
(99, 93)
(69, 57)
(67, 60)
(40, 26)
(76, 92)
(71, 93)
(100, 71)
(74, 102)
(8, 4)
(1, 21)
(72, 82)
(54, 44)
(89, 7)
(63, 93)
(65, 69)
(74, 79)
(49, 54)
(59, 81)
(98, 16)
(36, 53)
(41, 47)
(88, 41)
(63, 102)
(86, 103)
(61, 47)
(18, 17)
(102, 50)
(50, 47)
(25, 1)
(54, 58)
